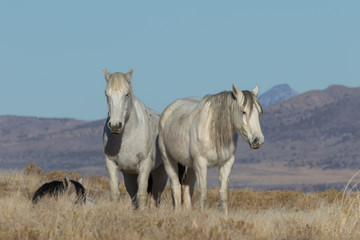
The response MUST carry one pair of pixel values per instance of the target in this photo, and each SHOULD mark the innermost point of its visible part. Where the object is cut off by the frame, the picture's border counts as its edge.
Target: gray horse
(201, 133)
(130, 142)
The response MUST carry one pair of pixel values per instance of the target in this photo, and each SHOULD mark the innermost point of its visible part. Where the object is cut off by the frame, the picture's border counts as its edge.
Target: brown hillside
(318, 130)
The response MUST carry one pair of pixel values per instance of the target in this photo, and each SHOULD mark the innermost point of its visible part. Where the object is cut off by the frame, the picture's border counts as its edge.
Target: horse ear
(106, 74)
(129, 74)
(80, 180)
(237, 93)
(256, 90)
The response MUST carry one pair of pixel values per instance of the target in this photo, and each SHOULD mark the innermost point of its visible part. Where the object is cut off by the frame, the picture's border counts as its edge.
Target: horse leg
(113, 172)
(159, 182)
(188, 187)
(171, 168)
(142, 180)
(131, 187)
(224, 174)
(200, 167)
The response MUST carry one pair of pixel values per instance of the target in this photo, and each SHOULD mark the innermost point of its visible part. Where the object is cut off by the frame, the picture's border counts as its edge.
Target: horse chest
(213, 156)
(130, 155)
(217, 161)
(129, 162)
(127, 153)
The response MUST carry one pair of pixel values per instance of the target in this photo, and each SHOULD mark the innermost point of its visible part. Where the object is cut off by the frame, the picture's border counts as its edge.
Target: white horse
(201, 133)
(130, 142)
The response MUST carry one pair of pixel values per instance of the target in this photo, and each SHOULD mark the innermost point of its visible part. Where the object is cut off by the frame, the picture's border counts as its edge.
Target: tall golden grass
(252, 214)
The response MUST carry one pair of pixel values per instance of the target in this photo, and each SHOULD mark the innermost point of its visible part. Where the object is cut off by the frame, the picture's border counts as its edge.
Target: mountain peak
(277, 94)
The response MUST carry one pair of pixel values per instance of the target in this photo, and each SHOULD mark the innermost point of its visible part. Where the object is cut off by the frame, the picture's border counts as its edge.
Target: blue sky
(52, 52)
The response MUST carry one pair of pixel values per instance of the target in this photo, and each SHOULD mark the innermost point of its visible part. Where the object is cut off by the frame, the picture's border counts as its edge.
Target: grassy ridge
(252, 214)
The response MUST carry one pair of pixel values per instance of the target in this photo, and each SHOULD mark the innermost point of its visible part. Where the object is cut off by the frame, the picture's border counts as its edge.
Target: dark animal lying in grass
(73, 189)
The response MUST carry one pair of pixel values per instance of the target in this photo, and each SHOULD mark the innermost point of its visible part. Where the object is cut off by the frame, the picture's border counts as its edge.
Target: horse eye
(243, 112)
(128, 94)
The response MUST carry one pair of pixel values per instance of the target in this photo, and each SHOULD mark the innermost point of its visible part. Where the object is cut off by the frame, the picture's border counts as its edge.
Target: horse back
(178, 110)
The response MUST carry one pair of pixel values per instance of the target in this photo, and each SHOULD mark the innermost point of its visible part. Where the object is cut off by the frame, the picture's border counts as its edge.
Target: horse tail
(150, 184)
(182, 173)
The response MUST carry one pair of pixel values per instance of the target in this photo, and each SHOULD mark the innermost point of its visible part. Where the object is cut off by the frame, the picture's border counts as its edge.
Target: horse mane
(221, 107)
(251, 99)
(221, 112)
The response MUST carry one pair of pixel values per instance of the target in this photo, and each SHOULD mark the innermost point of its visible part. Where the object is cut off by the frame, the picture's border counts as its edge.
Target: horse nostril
(256, 141)
(109, 124)
(120, 124)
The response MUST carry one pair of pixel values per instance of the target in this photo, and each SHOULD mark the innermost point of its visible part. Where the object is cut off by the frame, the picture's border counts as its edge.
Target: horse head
(246, 116)
(119, 96)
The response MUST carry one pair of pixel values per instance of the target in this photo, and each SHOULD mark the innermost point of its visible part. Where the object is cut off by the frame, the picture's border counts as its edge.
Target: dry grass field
(252, 214)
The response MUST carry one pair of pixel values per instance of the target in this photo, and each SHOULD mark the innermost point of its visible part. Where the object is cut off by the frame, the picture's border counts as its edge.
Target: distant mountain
(277, 94)
(65, 144)
(315, 129)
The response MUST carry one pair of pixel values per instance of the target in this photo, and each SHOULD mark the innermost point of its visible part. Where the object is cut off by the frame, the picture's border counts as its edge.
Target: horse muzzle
(115, 128)
(255, 146)
(256, 143)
